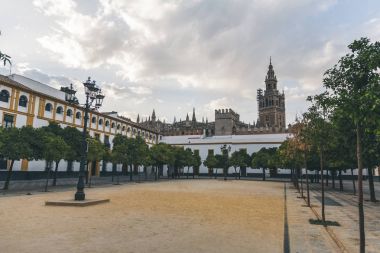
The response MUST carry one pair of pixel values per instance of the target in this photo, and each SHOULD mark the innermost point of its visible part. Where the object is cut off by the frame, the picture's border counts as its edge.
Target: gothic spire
(271, 79)
(153, 115)
(138, 118)
(193, 118)
(187, 117)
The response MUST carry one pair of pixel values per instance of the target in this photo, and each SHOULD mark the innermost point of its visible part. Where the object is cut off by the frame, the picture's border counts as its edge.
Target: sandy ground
(174, 216)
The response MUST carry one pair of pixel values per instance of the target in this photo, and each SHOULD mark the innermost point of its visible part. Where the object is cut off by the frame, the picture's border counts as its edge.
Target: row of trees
(54, 144)
(341, 129)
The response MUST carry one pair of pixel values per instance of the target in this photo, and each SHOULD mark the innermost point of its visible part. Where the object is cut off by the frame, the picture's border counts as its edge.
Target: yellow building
(24, 101)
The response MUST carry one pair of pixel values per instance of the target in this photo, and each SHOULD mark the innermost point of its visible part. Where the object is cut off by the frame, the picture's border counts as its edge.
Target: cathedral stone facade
(271, 117)
(271, 103)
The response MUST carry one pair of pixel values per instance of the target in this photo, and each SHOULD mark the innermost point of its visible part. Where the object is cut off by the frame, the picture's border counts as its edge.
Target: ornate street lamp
(93, 93)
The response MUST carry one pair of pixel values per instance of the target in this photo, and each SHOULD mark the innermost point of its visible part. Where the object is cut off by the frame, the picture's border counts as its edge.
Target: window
(128, 129)
(8, 120)
(123, 128)
(69, 113)
(59, 110)
(78, 115)
(97, 137)
(100, 122)
(118, 127)
(4, 96)
(107, 141)
(210, 151)
(113, 125)
(107, 123)
(93, 120)
(23, 101)
(196, 151)
(48, 107)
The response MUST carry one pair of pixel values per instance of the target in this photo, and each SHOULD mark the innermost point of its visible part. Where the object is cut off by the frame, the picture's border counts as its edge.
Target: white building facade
(205, 145)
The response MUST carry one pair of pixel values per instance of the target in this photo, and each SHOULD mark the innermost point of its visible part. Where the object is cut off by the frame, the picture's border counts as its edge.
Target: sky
(176, 55)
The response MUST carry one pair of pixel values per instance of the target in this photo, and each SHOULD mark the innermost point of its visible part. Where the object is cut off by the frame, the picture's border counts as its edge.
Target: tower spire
(153, 115)
(193, 118)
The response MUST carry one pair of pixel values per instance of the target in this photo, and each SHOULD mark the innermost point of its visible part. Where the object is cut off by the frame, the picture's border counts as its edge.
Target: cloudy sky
(173, 55)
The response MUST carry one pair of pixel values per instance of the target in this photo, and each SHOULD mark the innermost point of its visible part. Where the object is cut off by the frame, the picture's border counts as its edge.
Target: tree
(95, 153)
(55, 149)
(72, 137)
(260, 160)
(319, 134)
(161, 155)
(188, 160)
(196, 162)
(354, 86)
(210, 162)
(239, 159)
(14, 148)
(119, 151)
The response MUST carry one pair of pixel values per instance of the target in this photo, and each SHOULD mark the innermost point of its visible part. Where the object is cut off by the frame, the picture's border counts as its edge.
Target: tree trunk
(371, 185)
(263, 174)
(301, 183)
(333, 178)
(353, 181)
(327, 177)
(47, 176)
(9, 175)
(131, 172)
(55, 173)
(360, 188)
(239, 172)
(307, 181)
(87, 172)
(188, 171)
(323, 189)
(340, 180)
(235, 173)
(297, 180)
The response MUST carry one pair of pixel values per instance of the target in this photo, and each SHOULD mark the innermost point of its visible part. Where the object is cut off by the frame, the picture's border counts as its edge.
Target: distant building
(271, 104)
(271, 117)
(26, 102)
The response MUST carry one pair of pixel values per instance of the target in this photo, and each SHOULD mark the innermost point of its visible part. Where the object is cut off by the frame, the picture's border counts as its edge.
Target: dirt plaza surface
(170, 216)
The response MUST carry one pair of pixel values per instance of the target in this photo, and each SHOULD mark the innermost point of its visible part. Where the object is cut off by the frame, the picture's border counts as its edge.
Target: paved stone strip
(305, 237)
(333, 236)
(346, 215)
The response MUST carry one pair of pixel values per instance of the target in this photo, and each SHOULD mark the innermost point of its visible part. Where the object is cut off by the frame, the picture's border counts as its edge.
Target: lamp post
(225, 150)
(93, 93)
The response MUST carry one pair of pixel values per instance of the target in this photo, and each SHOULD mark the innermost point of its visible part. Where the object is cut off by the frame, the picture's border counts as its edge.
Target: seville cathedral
(271, 117)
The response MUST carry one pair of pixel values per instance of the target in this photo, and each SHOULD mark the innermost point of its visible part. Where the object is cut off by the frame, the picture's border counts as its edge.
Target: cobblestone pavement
(342, 208)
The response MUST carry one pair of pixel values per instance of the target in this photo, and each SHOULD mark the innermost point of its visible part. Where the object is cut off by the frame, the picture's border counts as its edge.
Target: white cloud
(217, 51)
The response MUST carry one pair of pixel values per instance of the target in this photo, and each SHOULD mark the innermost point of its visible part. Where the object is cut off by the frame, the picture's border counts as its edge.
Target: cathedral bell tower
(271, 103)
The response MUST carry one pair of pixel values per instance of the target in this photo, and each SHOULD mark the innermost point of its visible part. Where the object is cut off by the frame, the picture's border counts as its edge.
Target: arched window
(59, 110)
(128, 129)
(93, 120)
(23, 101)
(4, 96)
(69, 113)
(123, 128)
(78, 115)
(113, 125)
(118, 127)
(48, 107)
(100, 122)
(107, 123)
